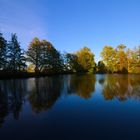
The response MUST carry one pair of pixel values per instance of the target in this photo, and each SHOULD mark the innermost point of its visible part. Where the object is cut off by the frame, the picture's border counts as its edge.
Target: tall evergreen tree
(16, 58)
(3, 49)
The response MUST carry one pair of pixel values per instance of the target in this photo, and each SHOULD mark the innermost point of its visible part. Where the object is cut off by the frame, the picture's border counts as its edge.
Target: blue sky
(72, 24)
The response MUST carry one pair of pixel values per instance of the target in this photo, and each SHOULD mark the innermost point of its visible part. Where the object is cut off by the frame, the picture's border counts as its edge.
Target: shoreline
(24, 75)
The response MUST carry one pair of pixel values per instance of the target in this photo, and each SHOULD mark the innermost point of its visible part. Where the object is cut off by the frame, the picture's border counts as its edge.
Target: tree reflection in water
(12, 93)
(121, 87)
(45, 92)
(42, 93)
(82, 85)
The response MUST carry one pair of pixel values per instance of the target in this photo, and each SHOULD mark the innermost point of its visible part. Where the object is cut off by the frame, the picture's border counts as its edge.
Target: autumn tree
(109, 58)
(81, 61)
(86, 59)
(133, 57)
(121, 59)
(137, 52)
(16, 59)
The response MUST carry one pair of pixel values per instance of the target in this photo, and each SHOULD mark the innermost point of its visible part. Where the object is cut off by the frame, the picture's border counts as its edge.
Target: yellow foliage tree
(86, 59)
(109, 58)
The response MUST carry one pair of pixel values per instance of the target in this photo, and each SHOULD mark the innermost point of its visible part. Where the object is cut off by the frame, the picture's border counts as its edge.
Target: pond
(68, 107)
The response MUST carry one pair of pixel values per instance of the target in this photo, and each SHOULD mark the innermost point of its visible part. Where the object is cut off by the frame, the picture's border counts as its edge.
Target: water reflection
(121, 87)
(45, 92)
(82, 85)
(12, 94)
(42, 93)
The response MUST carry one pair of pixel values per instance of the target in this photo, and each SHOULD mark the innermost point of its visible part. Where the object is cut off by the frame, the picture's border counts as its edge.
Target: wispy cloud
(21, 18)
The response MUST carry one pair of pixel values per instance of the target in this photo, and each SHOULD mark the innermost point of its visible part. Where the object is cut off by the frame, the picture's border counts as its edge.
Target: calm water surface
(72, 107)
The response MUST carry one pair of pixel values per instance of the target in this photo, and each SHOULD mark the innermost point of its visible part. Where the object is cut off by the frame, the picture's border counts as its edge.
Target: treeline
(43, 57)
